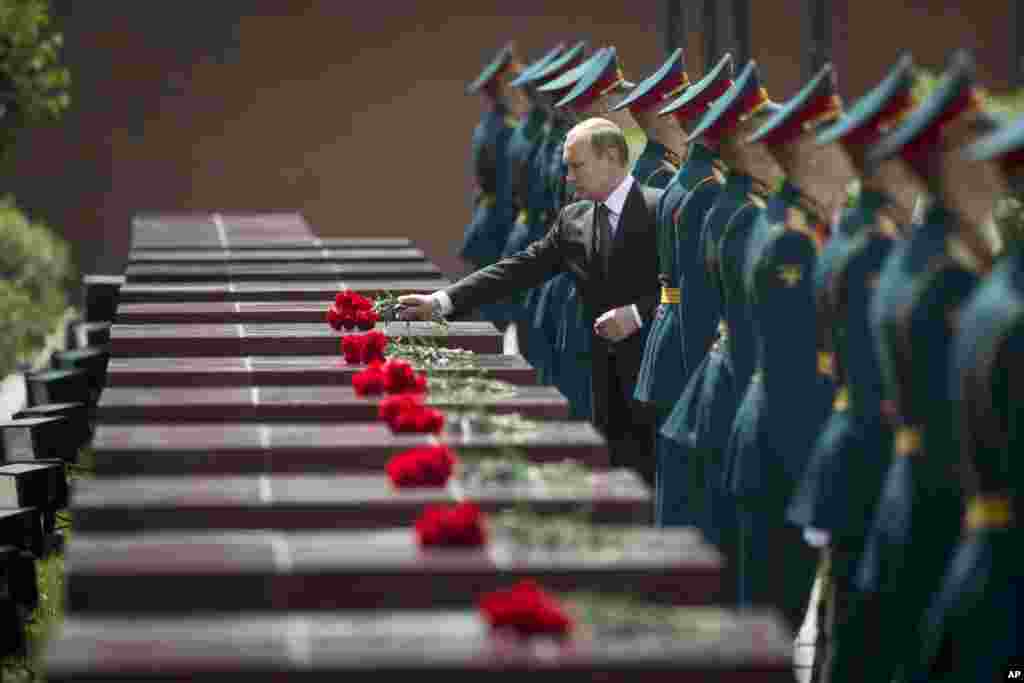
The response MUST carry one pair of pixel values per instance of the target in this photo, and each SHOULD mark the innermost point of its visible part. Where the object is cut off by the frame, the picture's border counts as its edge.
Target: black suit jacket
(572, 245)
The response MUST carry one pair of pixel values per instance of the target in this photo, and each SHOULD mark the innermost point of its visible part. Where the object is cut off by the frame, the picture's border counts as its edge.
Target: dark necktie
(604, 234)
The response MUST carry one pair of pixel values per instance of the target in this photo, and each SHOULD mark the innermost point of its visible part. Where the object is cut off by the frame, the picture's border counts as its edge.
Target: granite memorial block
(274, 272)
(40, 439)
(74, 434)
(92, 334)
(247, 290)
(23, 528)
(18, 574)
(40, 485)
(329, 501)
(91, 359)
(59, 386)
(101, 294)
(277, 256)
(255, 448)
(711, 646)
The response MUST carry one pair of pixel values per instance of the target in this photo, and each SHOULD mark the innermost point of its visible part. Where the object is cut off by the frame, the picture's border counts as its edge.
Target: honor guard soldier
(553, 295)
(666, 143)
(522, 150)
(664, 372)
(542, 191)
(921, 291)
(494, 211)
(840, 487)
(973, 630)
(599, 86)
(705, 412)
(791, 392)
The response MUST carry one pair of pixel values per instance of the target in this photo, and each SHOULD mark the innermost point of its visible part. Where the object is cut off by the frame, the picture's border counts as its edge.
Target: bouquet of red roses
(452, 525)
(526, 609)
(365, 348)
(406, 413)
(430, 466)
(351, 310)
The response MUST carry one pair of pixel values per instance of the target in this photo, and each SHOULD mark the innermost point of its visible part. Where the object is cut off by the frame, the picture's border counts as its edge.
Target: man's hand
(616, 324)
(416, 307)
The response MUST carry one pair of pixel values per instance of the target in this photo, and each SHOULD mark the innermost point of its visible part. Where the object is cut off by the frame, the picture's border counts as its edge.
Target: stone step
(280, 370)
(285, 339)
(293, 272)
(380, 569)
(223, 230)
(302, 404)
(272, 291)
(221, 312)
(275, 256)
(456, 645)
(357, 501)
(247, 448)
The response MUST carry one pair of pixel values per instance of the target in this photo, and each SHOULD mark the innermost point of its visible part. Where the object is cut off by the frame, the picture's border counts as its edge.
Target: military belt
(842, 400)
(826, 363)
(989, 512)
(908, 441)
(671, 295)
(486, 199)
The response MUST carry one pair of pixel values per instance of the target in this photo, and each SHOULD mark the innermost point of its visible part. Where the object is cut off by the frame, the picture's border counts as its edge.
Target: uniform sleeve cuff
(443, 300)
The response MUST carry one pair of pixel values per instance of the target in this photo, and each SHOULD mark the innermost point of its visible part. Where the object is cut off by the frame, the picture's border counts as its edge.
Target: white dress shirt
(615, 202)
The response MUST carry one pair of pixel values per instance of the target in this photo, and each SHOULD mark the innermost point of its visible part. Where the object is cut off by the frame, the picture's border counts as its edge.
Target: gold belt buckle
(989, 512)
(908, 441)
(671, 295)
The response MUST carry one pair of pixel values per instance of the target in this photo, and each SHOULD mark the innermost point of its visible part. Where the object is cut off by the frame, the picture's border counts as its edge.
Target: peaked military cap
(501, 61)
(556, 67)
(882, 108)
(1006, 145)
(746, 96)
(558, 87)
(602, 76)
(701, 94)
(816, 103)
(953, 96)
(665, 83)
(524, 76)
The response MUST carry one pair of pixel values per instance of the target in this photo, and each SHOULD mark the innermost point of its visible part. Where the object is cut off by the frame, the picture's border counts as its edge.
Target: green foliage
(34, 270)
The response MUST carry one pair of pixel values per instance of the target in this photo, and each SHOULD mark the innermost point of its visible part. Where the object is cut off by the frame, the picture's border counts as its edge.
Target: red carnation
(400, 377)
(365, 320)
(525, 608)
(452, 525)
(334, 317)
(430, 466)
(370, 381)
(421, 420)
(391, 406)
(374, 345)
(352, 346)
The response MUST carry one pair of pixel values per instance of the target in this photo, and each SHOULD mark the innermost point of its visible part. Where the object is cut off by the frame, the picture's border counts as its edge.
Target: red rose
(391, 406)
(361, 303)
(452, 525)
(369, 381)
(343, 300)
(525, 608)
(352, 346)
(374, 345)
(430, 466)
(348, 320)
(365, 320)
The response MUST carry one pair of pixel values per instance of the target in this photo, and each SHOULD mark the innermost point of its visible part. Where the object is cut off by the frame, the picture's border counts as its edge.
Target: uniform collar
(617, 199)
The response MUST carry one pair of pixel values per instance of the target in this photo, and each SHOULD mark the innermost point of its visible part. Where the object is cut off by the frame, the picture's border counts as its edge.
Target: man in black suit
(607, 241)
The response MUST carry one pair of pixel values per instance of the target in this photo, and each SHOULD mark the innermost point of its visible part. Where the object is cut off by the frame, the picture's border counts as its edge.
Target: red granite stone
(276, 339)
(453, 645)
(276, 256)
(322, 501)
(264, 291)
(309, 271)
(246, 448)
(276, 370)
(295, 403)
(379, 569)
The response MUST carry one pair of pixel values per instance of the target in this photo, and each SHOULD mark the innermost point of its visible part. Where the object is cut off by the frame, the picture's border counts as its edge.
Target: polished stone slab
(284, 339)
(276, 256)
(222, 312)
(272, 291)
(279, 370)
(298, 403)
(320, 501)
(273, 272)
(378, 569)
(454, 645)
(248, 448)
